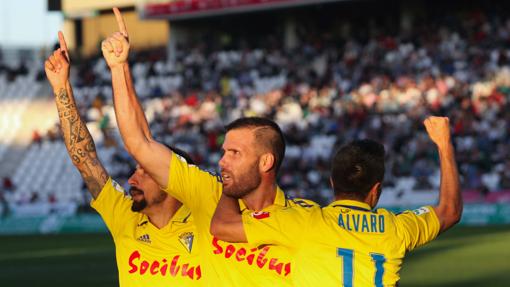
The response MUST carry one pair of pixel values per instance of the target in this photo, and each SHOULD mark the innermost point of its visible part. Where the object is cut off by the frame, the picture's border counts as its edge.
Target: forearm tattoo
(79, 143)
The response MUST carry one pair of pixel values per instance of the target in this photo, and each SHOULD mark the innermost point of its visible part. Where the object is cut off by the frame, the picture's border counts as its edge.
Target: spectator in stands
(36, 137)
(53, 134)
(7, 184)
(34, 197)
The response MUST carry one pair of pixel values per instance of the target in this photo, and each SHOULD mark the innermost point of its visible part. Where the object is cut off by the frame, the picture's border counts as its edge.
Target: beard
(139, 205)
(244, 183)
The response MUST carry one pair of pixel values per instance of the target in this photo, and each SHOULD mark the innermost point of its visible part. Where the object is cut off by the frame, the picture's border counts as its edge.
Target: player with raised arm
(349, 243)
(253, 151)
(153, 232)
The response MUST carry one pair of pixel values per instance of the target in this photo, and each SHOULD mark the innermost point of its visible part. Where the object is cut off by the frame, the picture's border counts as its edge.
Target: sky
(28, 24)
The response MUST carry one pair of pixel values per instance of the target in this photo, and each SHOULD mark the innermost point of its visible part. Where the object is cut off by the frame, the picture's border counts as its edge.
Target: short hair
(357, 167)
(267, 133)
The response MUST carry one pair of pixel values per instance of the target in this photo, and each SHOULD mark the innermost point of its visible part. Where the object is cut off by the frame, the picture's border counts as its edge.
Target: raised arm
(154, 157)
(77, 138)
(449, 208)
(227, 222)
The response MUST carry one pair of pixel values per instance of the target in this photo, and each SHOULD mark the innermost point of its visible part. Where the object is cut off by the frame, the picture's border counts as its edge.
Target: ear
(373, 195)
(266, 162)
(331, 182)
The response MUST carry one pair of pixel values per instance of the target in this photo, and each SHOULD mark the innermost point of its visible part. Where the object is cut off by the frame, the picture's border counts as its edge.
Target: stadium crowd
(327, 91)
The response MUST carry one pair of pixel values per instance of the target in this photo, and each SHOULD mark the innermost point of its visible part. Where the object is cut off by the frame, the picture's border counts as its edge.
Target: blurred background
(327, 71)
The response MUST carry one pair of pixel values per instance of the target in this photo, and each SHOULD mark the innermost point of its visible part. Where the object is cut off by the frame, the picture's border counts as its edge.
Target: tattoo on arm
(79, 143)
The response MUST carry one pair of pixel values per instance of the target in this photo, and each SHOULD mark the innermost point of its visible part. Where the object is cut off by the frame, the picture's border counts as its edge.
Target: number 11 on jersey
(348, 264)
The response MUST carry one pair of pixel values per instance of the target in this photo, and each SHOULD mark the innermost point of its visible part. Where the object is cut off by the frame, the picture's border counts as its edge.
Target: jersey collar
(182, 214)
(279, 200)
(352, 204)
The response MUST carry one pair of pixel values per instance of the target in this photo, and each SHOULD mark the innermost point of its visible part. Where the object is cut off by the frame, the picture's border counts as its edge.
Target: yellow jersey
(146, 255)
(346, 243)
(228, 264)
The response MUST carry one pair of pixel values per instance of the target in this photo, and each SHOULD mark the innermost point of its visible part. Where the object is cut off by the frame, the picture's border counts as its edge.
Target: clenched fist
(57, 65)
(116, 47)
(438, 129)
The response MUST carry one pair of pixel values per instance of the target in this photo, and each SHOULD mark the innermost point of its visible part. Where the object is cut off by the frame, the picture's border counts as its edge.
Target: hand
(438, 129)
(116, 47)
(57, 65)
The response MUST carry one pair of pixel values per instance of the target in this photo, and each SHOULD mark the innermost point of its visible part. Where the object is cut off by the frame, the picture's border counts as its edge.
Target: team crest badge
(186, 240)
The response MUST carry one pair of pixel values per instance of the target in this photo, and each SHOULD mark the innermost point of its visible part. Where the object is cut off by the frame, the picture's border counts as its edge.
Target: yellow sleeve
(113, 206)
(191, 185)
(418, 226)
(280, 227)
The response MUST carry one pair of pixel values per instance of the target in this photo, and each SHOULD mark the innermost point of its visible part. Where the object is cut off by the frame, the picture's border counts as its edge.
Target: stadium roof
(190, 9)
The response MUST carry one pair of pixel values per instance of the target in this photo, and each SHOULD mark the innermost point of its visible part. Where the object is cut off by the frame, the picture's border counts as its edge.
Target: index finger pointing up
(63, 45)
(120, 22)
(62, 41)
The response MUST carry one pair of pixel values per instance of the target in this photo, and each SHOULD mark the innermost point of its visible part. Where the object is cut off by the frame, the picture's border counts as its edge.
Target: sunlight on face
(239, 164)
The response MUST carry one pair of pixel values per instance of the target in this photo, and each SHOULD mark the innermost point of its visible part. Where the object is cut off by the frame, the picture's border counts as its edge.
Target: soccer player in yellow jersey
(349, 243)
(254, 149)
(153, 232)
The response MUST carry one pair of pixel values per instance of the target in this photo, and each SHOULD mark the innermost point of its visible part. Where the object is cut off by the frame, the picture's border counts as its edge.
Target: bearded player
(153, 232)
(253, 152)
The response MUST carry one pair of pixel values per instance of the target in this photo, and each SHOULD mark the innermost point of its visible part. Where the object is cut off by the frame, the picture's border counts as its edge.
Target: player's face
(144, 191)
(240, 163)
